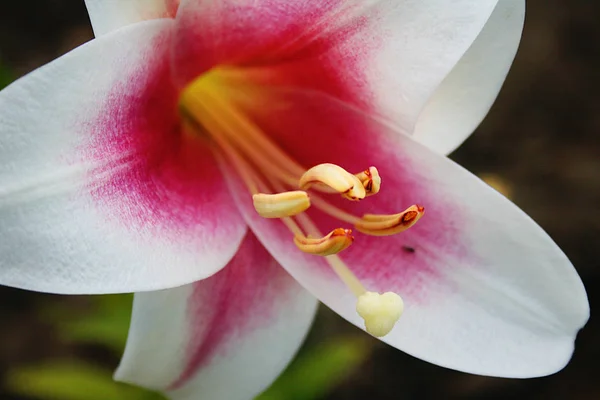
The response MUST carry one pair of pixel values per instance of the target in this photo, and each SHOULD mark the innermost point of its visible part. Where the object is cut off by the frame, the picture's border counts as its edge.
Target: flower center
(283, 189)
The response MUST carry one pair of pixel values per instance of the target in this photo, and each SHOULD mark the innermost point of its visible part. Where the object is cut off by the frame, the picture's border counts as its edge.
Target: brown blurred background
(540, 142)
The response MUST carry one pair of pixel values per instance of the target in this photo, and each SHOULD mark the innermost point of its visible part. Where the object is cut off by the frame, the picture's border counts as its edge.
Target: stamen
(337, 240)
(281, 205)
(380, 311)
(333, 211)
(333, 177)
(357, 192)
(205, 105)
(370, 180)
(386, 225)
(209, 109)
(238, 162)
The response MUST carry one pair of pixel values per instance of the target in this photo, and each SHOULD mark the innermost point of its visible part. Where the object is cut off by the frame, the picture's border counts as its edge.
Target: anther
(380, 311)
(337, 240)
(357, 191)
(370, 180)
(386, 225)
(281, 205)
(335, 178)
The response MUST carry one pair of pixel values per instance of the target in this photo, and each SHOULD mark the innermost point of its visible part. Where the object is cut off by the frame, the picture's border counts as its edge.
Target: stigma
(380, 311)
(280, 188)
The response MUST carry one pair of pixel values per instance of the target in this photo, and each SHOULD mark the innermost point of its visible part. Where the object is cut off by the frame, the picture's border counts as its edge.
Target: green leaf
(72, 380)
(106, 322)
(320, 369)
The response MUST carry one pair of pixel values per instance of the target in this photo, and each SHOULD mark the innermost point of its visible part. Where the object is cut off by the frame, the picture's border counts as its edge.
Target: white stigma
(380, 311)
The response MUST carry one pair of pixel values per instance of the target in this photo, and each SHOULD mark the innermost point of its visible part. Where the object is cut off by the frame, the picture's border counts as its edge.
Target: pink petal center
(269, 135)
(147, 175)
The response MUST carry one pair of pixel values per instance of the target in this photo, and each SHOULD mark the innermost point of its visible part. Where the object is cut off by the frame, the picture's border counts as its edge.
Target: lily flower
(232, 160)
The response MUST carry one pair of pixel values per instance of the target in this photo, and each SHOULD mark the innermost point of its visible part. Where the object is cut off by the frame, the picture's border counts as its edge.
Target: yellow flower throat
(279, 187)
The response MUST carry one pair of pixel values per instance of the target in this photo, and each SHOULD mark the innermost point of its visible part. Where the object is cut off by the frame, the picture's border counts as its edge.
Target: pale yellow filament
(233, 122)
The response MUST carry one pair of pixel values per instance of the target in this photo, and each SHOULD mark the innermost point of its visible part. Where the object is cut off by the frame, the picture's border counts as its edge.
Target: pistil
(380, 311)
(279, 189)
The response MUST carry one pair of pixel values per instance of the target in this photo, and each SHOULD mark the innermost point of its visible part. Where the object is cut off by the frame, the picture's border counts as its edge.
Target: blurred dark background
(539, 144)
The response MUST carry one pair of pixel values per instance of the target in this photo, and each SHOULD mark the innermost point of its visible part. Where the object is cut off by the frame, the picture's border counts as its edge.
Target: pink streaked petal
(486, 290)
(97, 193)
(370, 54)
(163, 181)
(226, 337)
(108, 15)
(231, 32)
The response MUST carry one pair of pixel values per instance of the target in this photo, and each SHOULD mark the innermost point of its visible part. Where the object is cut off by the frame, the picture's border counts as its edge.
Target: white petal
(108, 15)
(465, 96)
(91, 199)
(420, 42)
(486, 290)
(224, 338)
